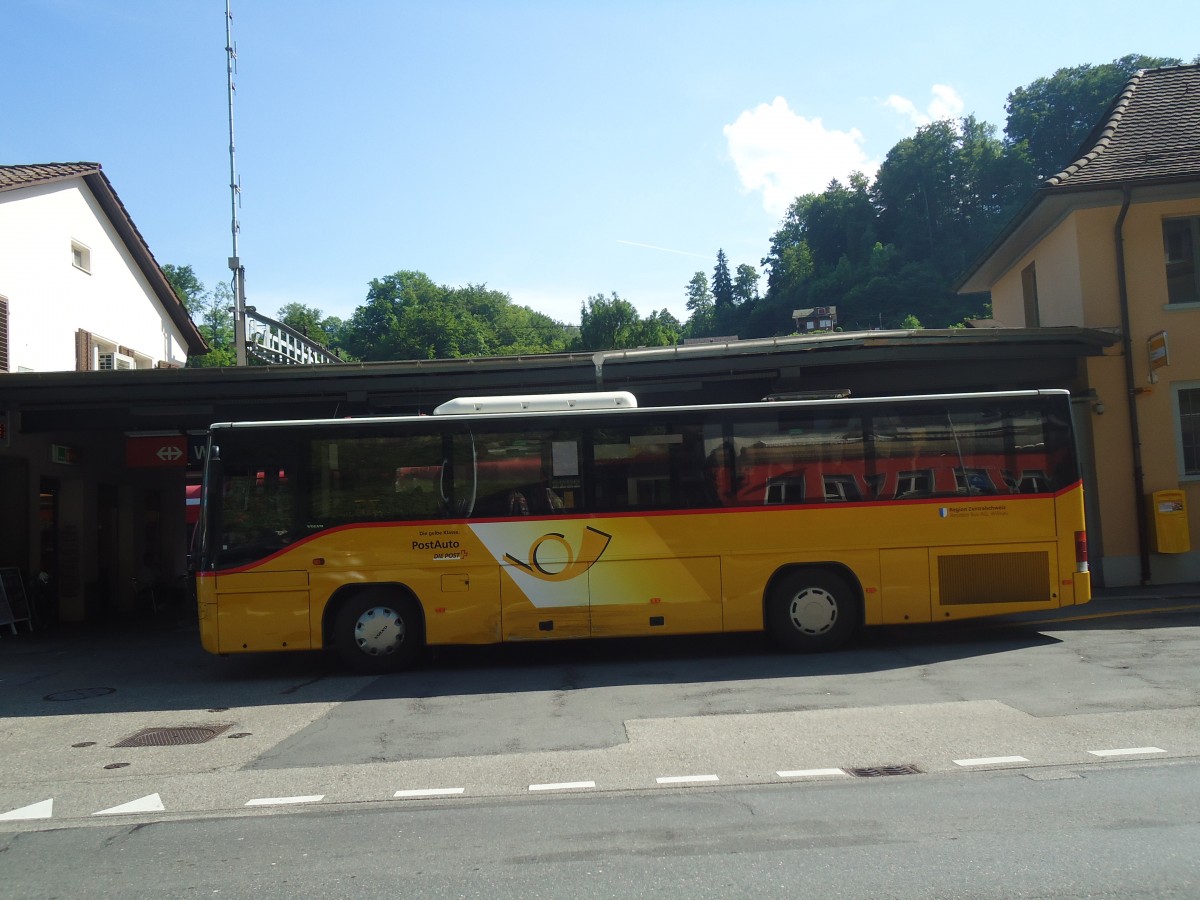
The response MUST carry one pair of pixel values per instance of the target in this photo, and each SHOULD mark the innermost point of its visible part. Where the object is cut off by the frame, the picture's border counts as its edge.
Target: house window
(1029, 293)
(81, 256)
(1187, 411)
(1181, 238)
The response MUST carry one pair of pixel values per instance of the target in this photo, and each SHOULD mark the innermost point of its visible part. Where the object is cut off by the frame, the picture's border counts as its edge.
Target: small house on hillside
(818, 318)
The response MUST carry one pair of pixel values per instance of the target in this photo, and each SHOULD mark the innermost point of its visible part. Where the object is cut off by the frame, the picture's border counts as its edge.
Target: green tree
(379, 329)
(659, 329)
(408, 316)
(701, 319)
(745, 285)
(1050, 117)
(187, 286)
(722, 283)
(608, 323)
(942, 193)
(213, 315)
(308, 320)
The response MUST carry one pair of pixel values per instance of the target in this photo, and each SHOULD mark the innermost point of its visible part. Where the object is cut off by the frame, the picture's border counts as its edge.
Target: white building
(80, 292)
(79, 288)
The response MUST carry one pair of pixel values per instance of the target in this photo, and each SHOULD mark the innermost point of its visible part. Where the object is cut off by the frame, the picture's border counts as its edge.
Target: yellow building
(1112, 243)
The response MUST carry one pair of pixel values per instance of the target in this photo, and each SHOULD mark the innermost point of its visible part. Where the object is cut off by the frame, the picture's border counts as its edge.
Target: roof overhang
(114, 209)
(866, 363)
(1048, 209)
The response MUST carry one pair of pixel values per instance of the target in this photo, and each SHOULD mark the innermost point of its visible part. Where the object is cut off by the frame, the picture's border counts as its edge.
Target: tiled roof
(23, 176)
(1151, 133)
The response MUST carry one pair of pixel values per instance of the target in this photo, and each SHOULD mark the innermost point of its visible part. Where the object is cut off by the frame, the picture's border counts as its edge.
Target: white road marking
(43, 810)
(685, 779)
(811, 773)
(990, 760)
(149, 803)
(1128, 751)
(281, 801)
(563, 786)
(428, 792)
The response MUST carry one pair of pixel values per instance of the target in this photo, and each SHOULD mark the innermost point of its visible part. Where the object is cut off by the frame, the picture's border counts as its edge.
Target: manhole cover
(80, 693)
(173, 736)
(879, 771)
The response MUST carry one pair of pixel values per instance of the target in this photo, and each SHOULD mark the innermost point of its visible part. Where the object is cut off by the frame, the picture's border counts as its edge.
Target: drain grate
(880, 771)
(173, 737)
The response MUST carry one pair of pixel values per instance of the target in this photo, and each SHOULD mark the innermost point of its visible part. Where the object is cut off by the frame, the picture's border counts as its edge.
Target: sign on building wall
(155, 451)
(64, 455)
(1156, 346)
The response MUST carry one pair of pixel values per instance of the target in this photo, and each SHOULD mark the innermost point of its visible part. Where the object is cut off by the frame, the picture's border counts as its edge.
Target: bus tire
(812, 610)
(379, 631)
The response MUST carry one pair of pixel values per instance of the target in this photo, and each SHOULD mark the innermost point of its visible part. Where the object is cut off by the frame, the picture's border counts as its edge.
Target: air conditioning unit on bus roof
(536, 403)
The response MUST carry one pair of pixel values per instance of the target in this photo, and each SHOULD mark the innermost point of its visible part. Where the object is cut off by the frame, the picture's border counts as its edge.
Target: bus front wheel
(811, 610)
(378, 631)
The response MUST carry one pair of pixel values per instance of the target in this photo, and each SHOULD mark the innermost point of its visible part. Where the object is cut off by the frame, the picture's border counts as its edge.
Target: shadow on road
(162, 667)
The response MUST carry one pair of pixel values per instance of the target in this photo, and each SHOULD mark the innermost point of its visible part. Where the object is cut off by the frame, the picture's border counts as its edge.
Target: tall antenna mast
(235, 197)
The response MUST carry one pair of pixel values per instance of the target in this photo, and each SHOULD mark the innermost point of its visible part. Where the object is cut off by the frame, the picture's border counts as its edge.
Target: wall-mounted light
(1098, 408)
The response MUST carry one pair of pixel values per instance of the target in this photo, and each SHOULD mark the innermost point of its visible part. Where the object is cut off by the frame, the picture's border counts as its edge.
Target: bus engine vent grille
(1018, 577)
(173, 736)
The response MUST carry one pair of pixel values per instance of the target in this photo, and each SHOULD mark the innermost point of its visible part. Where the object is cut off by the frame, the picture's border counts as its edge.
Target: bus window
(651, 465)
(258, 504)
(527, 473)
(374, 479)
(775, 458)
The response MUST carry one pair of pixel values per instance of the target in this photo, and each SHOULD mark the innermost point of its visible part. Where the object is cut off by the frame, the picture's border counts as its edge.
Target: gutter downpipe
(1131, 392)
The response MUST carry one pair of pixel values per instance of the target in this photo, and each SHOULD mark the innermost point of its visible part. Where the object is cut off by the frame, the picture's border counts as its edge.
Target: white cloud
(946, 104)
(784, 155)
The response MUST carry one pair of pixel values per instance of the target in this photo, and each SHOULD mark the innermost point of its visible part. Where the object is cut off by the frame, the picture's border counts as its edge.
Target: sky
(552, 151)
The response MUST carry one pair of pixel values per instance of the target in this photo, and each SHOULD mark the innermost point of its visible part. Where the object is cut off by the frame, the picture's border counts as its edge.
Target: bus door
(260, 601)
(527, 496)
(656, 569)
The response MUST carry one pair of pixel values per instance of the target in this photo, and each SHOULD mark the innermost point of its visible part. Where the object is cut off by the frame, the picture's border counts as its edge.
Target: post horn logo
(594, 544)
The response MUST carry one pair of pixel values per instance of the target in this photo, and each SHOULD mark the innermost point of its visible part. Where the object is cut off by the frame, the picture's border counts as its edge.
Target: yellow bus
(575, 516)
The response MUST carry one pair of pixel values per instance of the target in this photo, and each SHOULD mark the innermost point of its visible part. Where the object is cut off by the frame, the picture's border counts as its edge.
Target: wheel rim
(379, 631)
(813, 611)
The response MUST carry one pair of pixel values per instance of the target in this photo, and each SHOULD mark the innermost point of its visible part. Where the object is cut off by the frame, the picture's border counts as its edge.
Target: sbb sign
(144, 452)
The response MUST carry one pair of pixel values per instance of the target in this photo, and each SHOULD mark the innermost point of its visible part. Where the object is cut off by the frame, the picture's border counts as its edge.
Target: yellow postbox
(1169, 522)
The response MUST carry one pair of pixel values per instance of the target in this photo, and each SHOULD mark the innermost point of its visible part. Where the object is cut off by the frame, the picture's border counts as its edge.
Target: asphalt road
(1122, 831)
(1047, 758)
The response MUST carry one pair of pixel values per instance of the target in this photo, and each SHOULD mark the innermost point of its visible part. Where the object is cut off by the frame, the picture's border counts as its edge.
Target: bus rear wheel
(812, 610)
(378, 631)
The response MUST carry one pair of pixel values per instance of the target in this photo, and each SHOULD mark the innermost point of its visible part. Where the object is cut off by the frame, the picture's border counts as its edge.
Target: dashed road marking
(427, 792)
(990, 761)
(1128, 751)
(149, 803)
(153, 802)
(563, 786)
(42, 810)
(284, 801)
(685, 779)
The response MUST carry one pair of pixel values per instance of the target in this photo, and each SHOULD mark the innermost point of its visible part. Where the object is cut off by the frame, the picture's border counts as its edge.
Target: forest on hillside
(885, 252)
